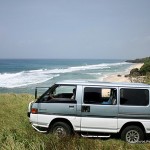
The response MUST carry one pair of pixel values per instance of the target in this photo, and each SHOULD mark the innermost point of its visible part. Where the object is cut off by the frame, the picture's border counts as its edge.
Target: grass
(16, 132)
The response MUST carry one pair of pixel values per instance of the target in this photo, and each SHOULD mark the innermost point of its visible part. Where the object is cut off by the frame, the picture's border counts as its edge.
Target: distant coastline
(138, 60)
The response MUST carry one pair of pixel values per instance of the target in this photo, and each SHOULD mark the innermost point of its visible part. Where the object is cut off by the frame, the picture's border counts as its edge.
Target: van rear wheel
(132, 134)
(61, 129)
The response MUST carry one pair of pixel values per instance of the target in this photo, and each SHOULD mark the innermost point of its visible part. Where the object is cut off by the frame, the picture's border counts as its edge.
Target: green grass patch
(16, 132)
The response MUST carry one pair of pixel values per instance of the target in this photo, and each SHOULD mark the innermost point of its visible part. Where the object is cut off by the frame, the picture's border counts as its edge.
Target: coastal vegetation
(142, 74)
(16, 132)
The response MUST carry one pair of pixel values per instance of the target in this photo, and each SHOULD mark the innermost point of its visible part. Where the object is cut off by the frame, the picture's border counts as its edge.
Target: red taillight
(34, 110)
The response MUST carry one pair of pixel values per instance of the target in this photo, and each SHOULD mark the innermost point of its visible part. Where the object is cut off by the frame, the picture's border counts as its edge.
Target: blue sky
(104, 29)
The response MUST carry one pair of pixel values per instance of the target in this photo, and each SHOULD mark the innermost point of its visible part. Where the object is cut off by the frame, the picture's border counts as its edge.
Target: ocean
(23, 75)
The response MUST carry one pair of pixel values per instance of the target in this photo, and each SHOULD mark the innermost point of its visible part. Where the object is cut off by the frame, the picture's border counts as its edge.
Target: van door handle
(71, 106)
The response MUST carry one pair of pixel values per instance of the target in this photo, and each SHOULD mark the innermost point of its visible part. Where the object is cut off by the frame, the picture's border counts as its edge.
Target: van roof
(96, 83)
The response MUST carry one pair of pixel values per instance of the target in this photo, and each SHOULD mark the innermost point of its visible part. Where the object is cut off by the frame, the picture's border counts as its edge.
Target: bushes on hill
(142, 74)
(144, 70)
(135, 72)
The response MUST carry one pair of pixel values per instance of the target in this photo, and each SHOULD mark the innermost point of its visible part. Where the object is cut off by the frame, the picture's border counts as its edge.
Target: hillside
(142, 74)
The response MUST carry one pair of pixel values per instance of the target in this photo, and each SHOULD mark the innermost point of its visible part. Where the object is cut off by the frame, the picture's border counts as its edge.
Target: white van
(94, 109)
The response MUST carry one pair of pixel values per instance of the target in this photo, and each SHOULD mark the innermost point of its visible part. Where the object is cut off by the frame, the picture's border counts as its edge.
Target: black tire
(61, 129)
(132, 134)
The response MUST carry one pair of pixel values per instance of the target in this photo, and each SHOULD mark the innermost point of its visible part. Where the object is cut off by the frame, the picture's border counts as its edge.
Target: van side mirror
(36, 93)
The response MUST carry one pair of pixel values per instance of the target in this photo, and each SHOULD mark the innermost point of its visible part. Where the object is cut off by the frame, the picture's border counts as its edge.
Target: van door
(58, 102)
(99, 109)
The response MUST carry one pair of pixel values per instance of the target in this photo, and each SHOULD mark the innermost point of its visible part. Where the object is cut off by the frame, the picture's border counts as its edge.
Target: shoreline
(120, 77)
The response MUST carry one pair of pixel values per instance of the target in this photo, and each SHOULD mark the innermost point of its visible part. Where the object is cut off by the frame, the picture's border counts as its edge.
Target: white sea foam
(25, 78)
(81, 68)
(8, 80)
(98, 73)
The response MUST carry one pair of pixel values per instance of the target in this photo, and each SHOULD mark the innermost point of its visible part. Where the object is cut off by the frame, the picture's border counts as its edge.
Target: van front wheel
(61, 129)
(132, 134)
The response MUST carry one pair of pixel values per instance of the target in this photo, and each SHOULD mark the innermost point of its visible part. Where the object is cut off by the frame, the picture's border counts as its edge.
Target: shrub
(135, 72)
(145, 68)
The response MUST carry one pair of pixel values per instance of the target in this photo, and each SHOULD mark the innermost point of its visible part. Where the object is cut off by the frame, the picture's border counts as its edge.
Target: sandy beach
(121, 77)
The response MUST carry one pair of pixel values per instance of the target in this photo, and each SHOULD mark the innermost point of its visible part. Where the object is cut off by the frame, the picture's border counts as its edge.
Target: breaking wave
(25, 78)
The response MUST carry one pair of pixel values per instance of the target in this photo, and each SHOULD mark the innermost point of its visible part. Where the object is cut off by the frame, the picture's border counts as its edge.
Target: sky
(97, 29)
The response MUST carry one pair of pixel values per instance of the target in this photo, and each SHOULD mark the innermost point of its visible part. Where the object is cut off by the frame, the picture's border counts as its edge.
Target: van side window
(134, 97)
(101, 96)
(60, 93)
(64, 91)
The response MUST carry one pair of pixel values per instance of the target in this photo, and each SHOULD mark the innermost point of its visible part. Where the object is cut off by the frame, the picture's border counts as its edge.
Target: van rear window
(134, 97)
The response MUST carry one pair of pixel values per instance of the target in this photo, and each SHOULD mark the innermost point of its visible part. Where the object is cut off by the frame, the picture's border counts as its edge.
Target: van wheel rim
(60, 132)
(132, 136)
